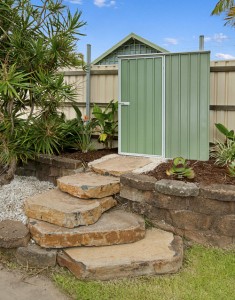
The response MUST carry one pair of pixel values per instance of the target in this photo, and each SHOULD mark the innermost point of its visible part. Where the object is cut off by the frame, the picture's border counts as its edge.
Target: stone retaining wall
(49, 168)
(202, 214)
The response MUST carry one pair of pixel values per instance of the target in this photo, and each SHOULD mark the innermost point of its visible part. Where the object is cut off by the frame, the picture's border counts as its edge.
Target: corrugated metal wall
(104, 87)
(187, 105)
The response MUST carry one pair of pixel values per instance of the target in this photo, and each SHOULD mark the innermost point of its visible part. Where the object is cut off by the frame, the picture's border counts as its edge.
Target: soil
(206, 173)
(91, 155)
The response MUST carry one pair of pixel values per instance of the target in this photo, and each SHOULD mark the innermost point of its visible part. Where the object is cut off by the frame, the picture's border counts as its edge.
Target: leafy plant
(78, 132)
(107, 122)
(229, 134)
(180, 169)
(231, 169)
(227, 7)
(224, 153)
(86, 129)
(36, 42)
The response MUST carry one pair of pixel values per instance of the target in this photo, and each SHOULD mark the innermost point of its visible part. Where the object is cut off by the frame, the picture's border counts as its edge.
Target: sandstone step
(158, 253)
(64, 210)
(114, 227)
(89, 185)
(118, 165)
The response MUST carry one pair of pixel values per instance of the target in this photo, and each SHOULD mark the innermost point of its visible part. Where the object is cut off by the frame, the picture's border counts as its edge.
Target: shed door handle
(124, 103)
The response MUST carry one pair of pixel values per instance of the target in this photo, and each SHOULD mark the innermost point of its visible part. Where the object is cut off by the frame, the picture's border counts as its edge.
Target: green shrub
(223, 153)
(107, 122)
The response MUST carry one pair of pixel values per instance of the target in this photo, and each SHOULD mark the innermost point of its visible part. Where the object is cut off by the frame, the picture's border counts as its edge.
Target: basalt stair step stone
(89, 185)
(160, 252)
(64, 210)
(114, 227)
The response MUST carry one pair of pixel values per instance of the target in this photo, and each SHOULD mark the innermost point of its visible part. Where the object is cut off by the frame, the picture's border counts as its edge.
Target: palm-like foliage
(227, 7)
(36, 41)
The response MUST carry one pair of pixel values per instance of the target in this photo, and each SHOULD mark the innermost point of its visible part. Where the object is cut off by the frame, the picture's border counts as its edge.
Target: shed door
(140, 106)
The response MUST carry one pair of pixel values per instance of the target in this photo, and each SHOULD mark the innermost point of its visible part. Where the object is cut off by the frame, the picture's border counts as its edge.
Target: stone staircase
(96, 240)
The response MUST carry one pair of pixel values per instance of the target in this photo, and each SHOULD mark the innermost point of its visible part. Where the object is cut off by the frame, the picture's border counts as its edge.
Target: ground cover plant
(207, 274)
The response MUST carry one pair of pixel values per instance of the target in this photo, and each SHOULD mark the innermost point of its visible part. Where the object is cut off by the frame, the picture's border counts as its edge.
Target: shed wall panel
(187, 105)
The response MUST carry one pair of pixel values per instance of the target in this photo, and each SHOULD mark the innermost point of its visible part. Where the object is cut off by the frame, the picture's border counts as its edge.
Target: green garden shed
(164, 104)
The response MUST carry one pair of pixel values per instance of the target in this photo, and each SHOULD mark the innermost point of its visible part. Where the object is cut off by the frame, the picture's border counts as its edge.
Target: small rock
(13, 234)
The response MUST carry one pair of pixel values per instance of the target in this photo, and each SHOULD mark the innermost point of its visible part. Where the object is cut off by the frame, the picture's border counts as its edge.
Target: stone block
(45, 159)
(225, 225)
(171, 201)
(176, 188)
(211, 206)
(140, 182)
(13, 234)
(35, 256)
(209, 238)
(221, 192)
(66, 163)
(135, 195)
(54, 171)
(188, 220)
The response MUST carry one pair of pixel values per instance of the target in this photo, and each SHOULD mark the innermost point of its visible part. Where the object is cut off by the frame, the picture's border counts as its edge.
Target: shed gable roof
(131, 44)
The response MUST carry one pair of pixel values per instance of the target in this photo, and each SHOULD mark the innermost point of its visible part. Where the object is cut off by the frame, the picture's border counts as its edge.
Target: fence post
(88, 80)
(201, 42)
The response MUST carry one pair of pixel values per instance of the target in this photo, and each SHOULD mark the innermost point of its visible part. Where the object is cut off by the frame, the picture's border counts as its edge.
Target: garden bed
(90, 155)
(206, 172)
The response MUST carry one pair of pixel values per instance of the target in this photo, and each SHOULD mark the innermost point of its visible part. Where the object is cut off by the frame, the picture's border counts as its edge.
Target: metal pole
(88, 80)
(201, 42)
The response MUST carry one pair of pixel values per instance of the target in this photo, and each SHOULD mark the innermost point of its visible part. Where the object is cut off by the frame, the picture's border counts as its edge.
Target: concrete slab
(158, 253)
(13, 286)
(65, 210)
(114, 227)
(117, 165)
(89, 185)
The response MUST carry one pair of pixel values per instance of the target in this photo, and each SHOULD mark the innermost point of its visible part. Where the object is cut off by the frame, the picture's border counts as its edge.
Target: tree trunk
(8, 176)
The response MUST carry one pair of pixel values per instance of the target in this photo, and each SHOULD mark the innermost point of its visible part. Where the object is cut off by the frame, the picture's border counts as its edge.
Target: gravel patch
(12, 196)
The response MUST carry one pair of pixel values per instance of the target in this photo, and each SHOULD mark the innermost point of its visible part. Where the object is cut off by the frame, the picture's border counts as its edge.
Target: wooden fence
(104, 87)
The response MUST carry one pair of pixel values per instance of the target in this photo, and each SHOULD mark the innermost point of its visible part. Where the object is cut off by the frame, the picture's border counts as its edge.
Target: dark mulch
(206, 172)
(91, 155)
